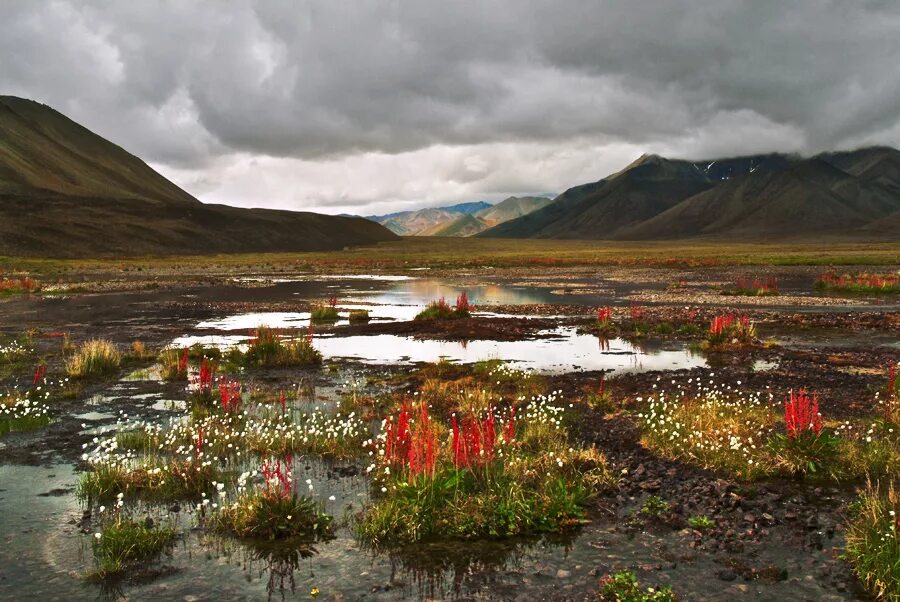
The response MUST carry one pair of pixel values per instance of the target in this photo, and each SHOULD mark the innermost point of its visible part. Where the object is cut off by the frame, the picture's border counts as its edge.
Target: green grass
(359, 316)
(155, 479)
(468, 252)
(654, 507)
(530, 482)
(873, 541)
(860, 283)
(270, 349)
(623, 587)
(462, 504)
(126, 544)
(741, 434)
(701, 522)
(324, 313)
(270, 515)
(441, 310)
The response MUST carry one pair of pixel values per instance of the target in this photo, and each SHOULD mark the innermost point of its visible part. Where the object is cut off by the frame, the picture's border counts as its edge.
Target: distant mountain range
(843, 195)
(65, 191)
(463, 219)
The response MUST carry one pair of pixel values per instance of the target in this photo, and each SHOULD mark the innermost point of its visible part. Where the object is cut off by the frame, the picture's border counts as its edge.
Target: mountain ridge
(751, 197)
(67, 192)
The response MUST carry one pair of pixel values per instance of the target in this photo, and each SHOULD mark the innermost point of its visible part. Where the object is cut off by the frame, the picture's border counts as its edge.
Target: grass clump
(484, 478)
(22, 411)
(269, 349)
(272, 515)
(441, 310)
(729, 332)
(155, 479)
(873, 540)
(324, 313)
(755, 287)
(124, 544)
(359, 316)
(860, 284)
(711, 426)
(747, 435)
(623, 587)
(655, 507)
(173, 364)
(18, 286)
(604, 326)
(96, 357)
(701, 522)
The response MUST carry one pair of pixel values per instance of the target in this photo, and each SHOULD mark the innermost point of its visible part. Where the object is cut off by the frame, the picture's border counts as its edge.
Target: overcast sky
(366, 107)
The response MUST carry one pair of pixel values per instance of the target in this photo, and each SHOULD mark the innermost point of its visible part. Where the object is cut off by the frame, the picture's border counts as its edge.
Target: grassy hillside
(66, 192)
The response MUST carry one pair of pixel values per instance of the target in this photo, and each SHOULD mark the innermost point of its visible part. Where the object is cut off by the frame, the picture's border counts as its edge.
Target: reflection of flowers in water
(454, 569)
(280, 559)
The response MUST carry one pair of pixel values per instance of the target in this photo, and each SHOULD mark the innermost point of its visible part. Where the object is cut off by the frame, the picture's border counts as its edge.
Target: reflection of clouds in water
(567, 351)
(422, 292)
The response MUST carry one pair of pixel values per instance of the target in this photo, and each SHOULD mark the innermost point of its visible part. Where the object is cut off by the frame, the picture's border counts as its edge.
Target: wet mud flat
(773, 539)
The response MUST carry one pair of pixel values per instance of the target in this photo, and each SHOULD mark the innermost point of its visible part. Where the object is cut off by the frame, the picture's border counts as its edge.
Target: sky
(374, 106)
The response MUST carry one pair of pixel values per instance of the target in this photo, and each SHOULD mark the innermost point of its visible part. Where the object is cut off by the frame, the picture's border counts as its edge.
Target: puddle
(764, 365)
(45, 557)
(94, 416)
(567, 351)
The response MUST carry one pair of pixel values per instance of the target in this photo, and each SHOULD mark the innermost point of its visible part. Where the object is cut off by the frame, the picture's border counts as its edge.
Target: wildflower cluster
(864, 283)
(729, 330)
(712, 424)
(13, 351)
(753, 287)
(26, 409)
(12, 286)
(497, 473)
(441, 310)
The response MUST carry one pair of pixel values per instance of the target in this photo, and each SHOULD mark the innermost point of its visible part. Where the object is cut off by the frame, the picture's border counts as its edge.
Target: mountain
(645, 188)
(414, 223)
(511, 208)
(464, 225)
(463, 219)
(854, 194)
(67, 192)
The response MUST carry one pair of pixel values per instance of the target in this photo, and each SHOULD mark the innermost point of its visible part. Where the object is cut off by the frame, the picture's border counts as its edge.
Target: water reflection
(454, 569)
(564, 351)
(280, 561)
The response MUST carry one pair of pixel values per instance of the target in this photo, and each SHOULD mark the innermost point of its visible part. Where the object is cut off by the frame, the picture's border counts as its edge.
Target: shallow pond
(564, 351)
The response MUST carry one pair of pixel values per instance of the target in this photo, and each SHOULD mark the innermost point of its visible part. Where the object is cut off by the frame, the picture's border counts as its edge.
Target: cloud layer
(374, 106)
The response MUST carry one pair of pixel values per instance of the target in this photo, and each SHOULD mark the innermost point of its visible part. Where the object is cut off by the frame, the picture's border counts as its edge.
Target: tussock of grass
(156, 479)
(271, 515)
(532, 483)
(324, 313)
(96, 357)
(359, 316)
(170, 365)
(125, 544)
(441, 310)
(873, 540)
(269, 349)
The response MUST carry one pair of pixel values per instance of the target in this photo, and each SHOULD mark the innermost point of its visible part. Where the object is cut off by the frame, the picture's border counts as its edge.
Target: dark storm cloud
(188, 84)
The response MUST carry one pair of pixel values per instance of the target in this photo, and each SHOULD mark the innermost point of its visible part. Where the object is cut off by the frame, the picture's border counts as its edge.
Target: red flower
(801, 413)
